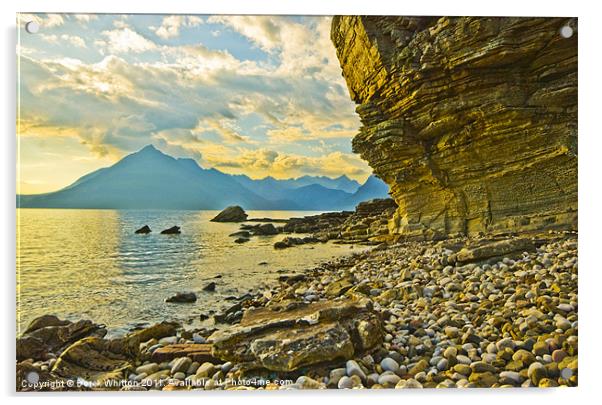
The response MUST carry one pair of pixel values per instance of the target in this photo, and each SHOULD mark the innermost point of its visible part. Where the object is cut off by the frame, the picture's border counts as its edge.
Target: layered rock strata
(368, 223)
(471, 121)
(288, 335)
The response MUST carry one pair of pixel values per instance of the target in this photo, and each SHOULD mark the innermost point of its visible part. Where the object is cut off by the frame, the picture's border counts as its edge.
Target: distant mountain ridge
(150, 179)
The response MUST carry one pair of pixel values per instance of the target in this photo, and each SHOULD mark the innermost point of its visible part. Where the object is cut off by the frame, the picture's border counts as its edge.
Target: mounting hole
(566, 31)
(32, 27)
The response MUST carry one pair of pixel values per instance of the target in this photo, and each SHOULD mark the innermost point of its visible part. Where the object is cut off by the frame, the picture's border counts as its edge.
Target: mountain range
(150, 179)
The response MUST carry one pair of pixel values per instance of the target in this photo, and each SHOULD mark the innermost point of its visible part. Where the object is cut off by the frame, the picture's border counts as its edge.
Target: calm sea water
(89, 264)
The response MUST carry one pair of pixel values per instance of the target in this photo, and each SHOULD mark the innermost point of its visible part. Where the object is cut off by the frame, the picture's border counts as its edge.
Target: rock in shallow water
(144, 230)
(182, 297)
(174, 230)
(231, 214)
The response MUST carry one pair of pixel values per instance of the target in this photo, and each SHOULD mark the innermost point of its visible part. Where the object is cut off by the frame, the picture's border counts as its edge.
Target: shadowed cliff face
(471, 121)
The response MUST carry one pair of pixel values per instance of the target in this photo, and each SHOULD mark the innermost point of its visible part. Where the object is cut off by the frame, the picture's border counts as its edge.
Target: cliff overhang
(471, 121)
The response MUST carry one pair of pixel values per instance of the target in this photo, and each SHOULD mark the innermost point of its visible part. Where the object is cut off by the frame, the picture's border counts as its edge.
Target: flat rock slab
(96, 359)
(196, 351)
(494, 249)
(156, 331)
(290, 335)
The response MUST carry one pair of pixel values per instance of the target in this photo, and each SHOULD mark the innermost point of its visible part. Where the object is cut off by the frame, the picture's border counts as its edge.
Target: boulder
(291, 241)
(281, 245)
(48, 334)
(289, 335)
(174, 230)
(233, 213)
(97, 360)
(265, 229)
(496, 249)
(241, 240)
(144, 230)
(182, 297)
(340, 287)
(44, 321)
(157, 331)
(29, 347)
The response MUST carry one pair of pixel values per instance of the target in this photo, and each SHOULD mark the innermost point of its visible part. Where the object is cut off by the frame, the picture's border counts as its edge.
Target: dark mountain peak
(150, 148)
(147, 155)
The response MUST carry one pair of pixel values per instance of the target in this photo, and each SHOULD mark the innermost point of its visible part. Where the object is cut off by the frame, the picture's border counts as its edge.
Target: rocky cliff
(471, 121)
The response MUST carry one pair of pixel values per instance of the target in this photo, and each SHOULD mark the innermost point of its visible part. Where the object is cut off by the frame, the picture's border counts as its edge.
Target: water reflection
(90, 264)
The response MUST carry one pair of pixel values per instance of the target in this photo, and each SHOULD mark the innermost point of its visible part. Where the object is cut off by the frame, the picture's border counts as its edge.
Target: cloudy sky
(243, 94)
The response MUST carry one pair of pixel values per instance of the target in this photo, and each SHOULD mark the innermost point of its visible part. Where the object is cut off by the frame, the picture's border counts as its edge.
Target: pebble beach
(492, 322)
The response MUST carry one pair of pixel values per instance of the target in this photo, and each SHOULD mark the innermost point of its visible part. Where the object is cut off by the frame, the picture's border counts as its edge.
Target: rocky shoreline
(478, 312)
(367, 224)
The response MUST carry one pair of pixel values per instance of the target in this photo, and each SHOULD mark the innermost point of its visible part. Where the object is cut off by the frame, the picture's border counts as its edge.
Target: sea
(89, 264)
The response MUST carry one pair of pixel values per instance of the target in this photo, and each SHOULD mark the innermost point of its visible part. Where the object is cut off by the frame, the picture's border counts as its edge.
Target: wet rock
(98, 360)
(29, 347)
(242, 234)
(265, 229)
(48, 334)
(156, 331)
(182, 297)
(231, 214)
(45, 321)
(210, 286)
(290, 241)
(144, 230)
(174, 230)
(281, 245)
(290, 335)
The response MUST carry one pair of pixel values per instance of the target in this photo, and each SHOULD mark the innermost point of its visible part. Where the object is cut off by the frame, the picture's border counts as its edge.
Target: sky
(259, 95)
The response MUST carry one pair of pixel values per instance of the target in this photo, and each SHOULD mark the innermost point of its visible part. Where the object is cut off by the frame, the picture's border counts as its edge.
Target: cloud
(264, 162)
(64, 38)
(264, 31)
(170, 26)
(85, 18)
(224, 125)
(289, 114)
(125, 40)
